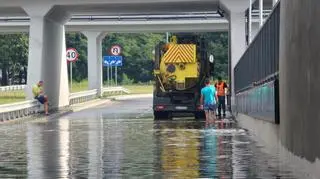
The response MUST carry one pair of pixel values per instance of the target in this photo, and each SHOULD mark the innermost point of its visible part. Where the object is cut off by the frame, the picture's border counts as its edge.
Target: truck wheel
(200, 115)
(161, 115)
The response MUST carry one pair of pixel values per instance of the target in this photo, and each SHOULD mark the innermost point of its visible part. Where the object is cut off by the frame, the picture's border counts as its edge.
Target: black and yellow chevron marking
(182, 53)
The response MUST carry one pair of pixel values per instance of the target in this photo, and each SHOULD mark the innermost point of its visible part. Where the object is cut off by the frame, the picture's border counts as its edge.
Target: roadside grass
(139, 89)
(11, 97)
(79, 86)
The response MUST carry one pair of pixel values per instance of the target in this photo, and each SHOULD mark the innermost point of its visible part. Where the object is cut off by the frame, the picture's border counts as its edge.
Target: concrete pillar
(237, 43)
(47, 53)
(237, 36)
(261, 12)
(299, 81)
(95, 72)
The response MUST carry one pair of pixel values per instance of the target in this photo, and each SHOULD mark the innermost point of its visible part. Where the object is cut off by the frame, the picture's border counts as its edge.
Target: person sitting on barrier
(209, 100)
(39, 95)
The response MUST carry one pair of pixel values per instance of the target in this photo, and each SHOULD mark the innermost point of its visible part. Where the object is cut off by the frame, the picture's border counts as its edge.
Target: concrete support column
(237, 43)
(47, 53)
(299, 71)
(95, 72)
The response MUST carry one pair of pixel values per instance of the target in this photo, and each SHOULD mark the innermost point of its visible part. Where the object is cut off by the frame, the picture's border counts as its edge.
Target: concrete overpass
(211, 22)
(47, 20)
(47, 26)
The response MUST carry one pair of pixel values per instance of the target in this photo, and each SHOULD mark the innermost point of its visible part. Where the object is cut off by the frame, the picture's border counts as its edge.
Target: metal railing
(27, 108)
(115, 90)
(256, 74)
(82, 96)
(12, 88)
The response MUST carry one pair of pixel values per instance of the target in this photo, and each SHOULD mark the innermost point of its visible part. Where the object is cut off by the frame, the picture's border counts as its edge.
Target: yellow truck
(180, 68)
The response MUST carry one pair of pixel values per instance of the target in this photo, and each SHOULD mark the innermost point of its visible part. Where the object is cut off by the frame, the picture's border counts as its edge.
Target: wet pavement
(121, 140)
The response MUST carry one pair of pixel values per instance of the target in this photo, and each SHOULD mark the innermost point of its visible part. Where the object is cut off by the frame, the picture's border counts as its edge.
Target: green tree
(13, 58)
(218, 46)
(80, 67)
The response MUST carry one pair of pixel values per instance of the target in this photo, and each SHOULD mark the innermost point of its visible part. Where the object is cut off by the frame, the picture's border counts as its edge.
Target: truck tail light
(160, 107)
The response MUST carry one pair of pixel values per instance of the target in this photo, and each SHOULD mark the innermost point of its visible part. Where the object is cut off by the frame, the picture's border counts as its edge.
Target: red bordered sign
(115, 50)
(72, 55)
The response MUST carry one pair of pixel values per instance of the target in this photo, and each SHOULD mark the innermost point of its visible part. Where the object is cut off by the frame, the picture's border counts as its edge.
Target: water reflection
(124, 148)
(48, 150)
(179, 151)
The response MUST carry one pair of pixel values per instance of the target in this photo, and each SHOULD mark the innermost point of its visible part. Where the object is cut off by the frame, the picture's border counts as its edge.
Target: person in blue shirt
(208, 100)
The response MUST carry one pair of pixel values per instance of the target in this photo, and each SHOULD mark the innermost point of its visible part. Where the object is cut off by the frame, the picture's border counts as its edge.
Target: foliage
(13, 58)
(79, 68)
(126, 80)
(218, 47)
(136, 51)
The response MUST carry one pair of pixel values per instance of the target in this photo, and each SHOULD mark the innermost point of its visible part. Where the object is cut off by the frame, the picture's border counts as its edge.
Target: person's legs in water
(222, 100)
(219, 107)
(207, 115)
(213, 111)
(206, 109)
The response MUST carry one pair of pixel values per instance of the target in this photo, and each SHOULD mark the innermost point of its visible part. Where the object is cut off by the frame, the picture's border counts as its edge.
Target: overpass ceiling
(12, 11)
(142, 8)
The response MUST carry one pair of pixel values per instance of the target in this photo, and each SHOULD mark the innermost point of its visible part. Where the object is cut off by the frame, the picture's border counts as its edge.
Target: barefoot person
(38, 94)
(208, 100)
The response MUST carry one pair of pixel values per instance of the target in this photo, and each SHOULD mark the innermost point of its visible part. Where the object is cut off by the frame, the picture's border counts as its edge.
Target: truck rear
(180, 69)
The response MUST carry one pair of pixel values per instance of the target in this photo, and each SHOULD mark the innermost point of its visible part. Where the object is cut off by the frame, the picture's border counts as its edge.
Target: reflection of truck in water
(180, 69)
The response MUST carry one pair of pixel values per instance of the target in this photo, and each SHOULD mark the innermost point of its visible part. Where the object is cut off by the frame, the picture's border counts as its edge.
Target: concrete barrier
(27, 108)
(18, 110)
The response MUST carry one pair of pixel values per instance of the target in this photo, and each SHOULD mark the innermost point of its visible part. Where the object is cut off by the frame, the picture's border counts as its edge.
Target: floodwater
(121, 140)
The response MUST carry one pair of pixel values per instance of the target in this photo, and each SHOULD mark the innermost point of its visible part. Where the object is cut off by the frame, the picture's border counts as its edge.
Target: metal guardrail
(115, 90)
(26, 108)
(12, 88)
(82, 96)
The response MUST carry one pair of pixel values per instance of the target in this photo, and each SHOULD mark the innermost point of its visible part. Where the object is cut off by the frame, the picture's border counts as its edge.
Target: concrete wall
(300, 77)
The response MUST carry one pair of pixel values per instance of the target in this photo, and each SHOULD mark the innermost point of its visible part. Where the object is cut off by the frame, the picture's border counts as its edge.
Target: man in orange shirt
(221, 86)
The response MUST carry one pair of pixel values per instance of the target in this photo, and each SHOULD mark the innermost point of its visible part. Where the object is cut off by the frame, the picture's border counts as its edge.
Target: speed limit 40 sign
(72, 55)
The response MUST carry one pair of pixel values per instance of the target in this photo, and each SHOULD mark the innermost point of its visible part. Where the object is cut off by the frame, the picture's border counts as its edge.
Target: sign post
(111, 75)
(72, 56)
(115, 51)
(116, 76)
(113, 61)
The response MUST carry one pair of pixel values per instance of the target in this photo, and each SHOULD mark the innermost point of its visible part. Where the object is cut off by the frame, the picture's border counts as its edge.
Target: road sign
(112, 61)
(115, 50)
(72, 54)
(211, 59)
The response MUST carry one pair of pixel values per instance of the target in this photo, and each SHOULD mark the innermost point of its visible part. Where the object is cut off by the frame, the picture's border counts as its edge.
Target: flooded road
(121, 140)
